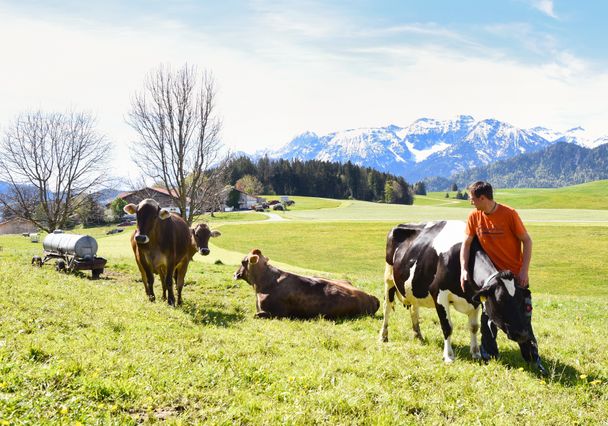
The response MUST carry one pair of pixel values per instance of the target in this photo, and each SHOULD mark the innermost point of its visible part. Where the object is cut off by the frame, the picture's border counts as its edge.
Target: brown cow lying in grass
(283, 294)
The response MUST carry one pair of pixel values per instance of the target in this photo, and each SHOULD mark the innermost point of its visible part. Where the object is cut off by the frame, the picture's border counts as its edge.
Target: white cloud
(546, 7)
(286, 85)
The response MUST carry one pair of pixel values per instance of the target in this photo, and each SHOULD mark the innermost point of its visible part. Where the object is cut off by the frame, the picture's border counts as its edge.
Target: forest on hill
(562, 164)
(321, 179)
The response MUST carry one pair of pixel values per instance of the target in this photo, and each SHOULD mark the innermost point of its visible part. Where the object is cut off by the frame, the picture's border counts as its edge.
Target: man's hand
(522, 278)
(464, 277)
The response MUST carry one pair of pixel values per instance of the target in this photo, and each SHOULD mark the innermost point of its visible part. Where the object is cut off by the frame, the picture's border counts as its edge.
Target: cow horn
(256, 251)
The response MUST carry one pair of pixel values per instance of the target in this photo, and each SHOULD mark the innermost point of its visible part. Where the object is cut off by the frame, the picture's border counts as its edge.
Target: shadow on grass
(559, 372)
(205, 316)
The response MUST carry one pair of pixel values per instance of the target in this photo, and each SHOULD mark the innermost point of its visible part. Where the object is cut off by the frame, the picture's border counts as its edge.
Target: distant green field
(399, 213)
(590, 195)
(308, 203)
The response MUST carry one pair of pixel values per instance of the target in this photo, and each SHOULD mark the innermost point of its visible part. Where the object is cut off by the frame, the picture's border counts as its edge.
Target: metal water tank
(80, 246)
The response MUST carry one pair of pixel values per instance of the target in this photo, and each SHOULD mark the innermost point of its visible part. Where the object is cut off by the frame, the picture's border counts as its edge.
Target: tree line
(318, 179)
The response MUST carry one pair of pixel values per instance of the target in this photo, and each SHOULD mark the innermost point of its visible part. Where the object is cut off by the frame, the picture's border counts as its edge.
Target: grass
(588, 196)
(74, 350)
(308, 203)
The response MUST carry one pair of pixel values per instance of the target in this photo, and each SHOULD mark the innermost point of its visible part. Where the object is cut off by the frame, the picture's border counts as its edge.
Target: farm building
(161, 195)
(247, 201)
(17, 226)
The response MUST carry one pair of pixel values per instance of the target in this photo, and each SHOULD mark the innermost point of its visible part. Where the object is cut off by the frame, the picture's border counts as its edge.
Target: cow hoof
(541, 368)
(475, 353)
(448, 360)
(262, 315)
(418, 336)
(152, 298)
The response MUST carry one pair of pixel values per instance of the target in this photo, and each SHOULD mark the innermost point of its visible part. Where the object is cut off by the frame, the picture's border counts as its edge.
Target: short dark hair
(480, 188)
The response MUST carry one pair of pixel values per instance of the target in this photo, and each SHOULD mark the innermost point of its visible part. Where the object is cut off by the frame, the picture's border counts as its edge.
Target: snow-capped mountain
(576, 135)
(429, 147)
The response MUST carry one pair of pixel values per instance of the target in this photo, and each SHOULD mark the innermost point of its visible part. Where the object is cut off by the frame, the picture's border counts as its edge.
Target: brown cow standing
(283, 294)
(163, 244)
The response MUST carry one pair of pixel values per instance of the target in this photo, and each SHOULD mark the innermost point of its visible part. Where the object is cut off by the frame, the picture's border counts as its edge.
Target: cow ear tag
(130, 208)
(482, 298)
(164, 214)
(253, 259)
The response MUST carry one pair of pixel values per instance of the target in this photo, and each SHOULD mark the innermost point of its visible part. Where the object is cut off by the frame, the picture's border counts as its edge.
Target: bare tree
(49, 161)
(178, 136)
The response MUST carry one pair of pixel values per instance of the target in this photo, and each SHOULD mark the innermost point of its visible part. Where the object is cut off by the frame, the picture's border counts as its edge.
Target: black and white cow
(423, 269)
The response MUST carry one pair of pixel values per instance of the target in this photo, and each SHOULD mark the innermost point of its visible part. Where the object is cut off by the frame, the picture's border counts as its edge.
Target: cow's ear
(506, 274)
(256, 251)
(164, 214)
(215, 234)
(482, 294)
(130, 208)
(253, 259)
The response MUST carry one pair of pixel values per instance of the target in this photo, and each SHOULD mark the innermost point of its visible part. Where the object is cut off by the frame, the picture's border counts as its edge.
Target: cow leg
(163, 280)
(180, 275)
(442, 305)
(474, 328)
(148, 279)
(389, 300)
(414, 314)
(169, 285)
(489, 348)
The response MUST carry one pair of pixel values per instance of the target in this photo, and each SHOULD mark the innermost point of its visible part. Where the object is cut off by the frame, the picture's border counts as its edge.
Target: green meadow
(586, 196)
(78, 351)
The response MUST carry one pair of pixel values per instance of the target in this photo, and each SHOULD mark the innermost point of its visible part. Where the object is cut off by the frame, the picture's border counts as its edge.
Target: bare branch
(50, 160)
(178, 136)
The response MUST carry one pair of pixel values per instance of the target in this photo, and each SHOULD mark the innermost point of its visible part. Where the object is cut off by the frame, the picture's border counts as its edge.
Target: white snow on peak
(597, 142)
(547, 134)
(360, 142)
(423, 154)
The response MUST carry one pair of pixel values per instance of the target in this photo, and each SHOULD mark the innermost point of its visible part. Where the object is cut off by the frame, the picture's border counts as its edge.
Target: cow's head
(507, 305)
(251, 265)
(201, 234)
(148, 212)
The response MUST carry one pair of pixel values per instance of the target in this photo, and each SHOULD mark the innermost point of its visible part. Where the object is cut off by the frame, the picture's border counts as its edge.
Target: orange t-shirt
(498, 234)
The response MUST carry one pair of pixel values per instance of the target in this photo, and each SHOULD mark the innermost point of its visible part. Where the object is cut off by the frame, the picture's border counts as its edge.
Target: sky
(288, 66)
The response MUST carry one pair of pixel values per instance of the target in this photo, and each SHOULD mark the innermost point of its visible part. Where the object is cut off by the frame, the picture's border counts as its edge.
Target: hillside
(556, 166)
(590, 195)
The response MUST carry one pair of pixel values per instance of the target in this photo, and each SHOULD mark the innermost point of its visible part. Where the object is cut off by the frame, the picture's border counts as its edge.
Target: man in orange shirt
(502, 236)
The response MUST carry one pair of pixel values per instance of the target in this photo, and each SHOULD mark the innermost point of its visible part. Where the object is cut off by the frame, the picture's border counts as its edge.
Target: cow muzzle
(520, 337)
(204, 251)
(142, 239)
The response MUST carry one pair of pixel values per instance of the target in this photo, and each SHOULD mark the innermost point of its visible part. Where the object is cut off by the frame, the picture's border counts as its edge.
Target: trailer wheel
(96, 273)
(60, 266)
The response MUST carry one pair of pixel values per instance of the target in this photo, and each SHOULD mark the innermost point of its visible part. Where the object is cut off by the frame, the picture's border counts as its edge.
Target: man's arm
(465, 250)
(527, 256)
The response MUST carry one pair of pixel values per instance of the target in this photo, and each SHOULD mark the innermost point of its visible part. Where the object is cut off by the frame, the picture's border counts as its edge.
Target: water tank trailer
(72, 252)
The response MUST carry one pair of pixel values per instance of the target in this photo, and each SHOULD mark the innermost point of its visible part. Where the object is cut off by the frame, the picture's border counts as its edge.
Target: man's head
(481, 195)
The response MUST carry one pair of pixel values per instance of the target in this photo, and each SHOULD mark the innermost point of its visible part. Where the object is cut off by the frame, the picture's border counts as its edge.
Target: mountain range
(561, 164)
(429, 147)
